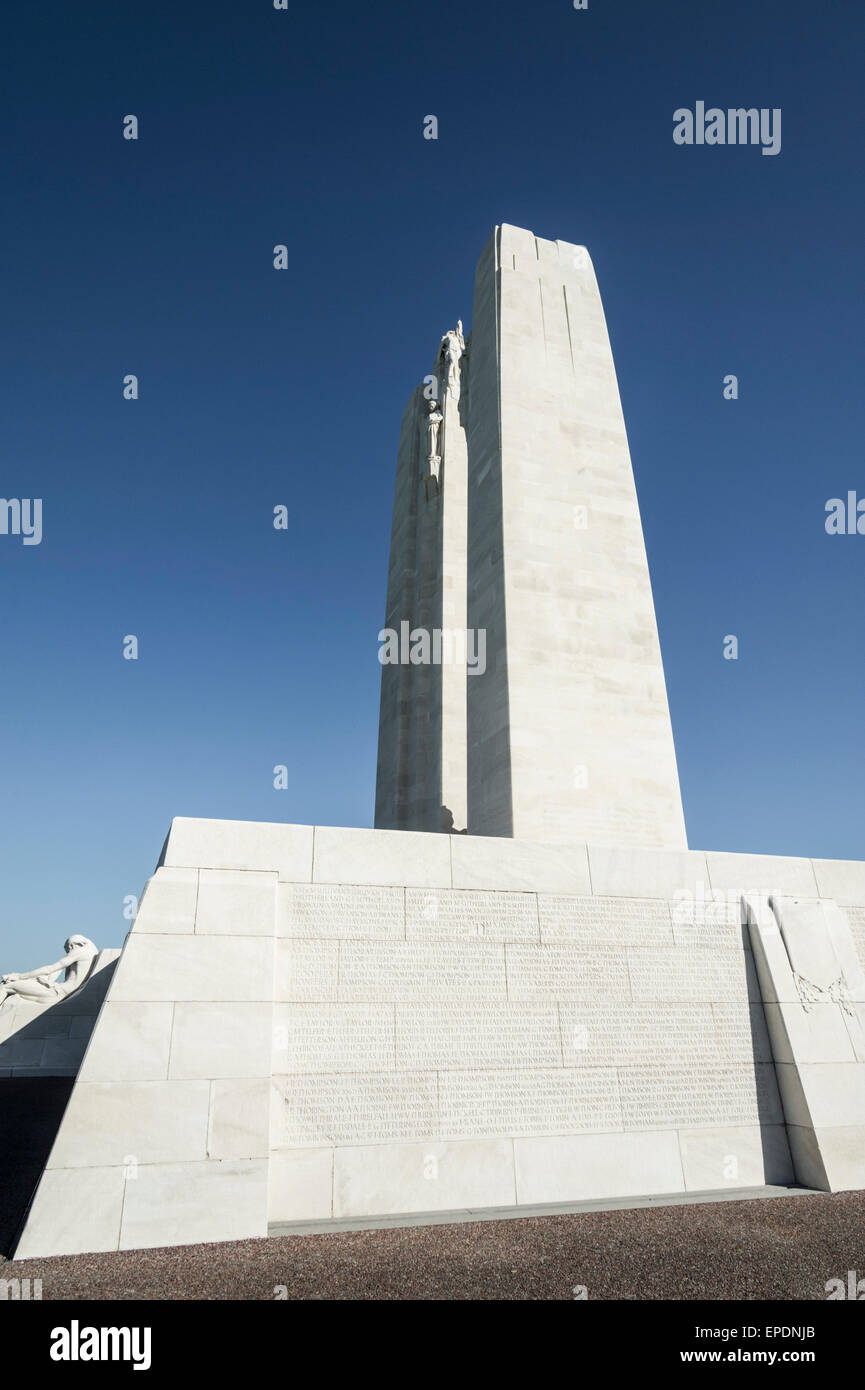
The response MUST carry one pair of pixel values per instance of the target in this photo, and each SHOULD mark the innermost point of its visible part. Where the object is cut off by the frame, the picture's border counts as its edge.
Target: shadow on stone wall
(32, 1108)
(36, 1040)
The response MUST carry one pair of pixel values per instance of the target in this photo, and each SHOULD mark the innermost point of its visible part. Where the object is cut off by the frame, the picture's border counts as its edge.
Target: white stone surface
(185, 1203)
(763, 873)
(77, 1211)
(434, 1176)
(446, 1036)
(300, 1185)
(820, 1034)
(407, 858)
(235, 903)
(168, 902)
(646, 873)
(107, 1122)
(191, 968)
(536, 1043)
(239, 1120)
(353, 1108)
(132, 1043)
(578, 1167)
(221, 1040)
(841, 879)
(842, 1154)
(553, 1100)
(699, 1094)
(349, 911)
(625, 921)
(744, 1156)
(453, 914)
(561, 694)
(834, 1093)
(488, 862)
(407, 970)
(563, 971)
(809, 970)
(333, 1037)
(241, 844)
(680, 973)
(306, 970)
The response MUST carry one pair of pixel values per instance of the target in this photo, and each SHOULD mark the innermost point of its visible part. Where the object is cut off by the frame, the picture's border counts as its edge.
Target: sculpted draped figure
(434, 421)
(453, 345)
(42, 983)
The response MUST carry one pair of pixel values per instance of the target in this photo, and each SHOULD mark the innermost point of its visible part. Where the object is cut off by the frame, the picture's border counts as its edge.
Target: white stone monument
(534, 537)
(310, 1025)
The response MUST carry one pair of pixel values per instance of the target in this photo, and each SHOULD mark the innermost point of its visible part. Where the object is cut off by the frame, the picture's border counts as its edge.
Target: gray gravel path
(779, 1248)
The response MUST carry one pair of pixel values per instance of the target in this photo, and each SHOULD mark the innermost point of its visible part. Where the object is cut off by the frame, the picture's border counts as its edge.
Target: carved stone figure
(42, 983)
(434, 424)
(453, 345)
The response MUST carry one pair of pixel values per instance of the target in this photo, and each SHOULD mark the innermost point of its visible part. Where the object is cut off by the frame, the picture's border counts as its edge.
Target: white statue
(42, 985)
(453, 345)
(434, 424)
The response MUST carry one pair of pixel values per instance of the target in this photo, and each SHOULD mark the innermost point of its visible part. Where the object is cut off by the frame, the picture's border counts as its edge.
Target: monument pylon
(530, 535)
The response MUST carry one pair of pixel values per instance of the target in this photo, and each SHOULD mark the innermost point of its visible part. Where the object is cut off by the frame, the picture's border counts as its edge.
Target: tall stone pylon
(422, 779)
(535, 538)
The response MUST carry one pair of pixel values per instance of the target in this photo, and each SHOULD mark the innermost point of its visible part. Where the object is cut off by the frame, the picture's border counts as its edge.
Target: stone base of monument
(322, 1025)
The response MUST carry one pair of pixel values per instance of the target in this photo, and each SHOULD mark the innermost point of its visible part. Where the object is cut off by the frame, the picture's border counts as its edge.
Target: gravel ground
(777, 1248)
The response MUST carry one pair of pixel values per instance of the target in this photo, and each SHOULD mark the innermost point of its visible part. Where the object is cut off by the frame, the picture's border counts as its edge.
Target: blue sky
(259, 388)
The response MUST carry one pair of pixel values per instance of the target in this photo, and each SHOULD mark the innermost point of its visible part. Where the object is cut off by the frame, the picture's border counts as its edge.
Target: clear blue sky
(304, 127)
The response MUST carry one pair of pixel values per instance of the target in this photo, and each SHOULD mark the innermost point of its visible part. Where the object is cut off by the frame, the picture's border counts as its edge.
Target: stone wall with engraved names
(439, 1016)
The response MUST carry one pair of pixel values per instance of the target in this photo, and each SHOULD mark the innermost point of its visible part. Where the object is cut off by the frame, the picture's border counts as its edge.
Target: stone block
(185, 1203)
(744, 1156)
(451, 914)
(192, 968)
(761, 873)
(332, 1037)
(595, 921)
(353, 1108)
(841, 879)
(434, 1176)
(221, 1040)
(445, 1036)
(110, 1123)
(342, 911)
(586, 1167)
(239, 1122)
(683, 974)
(300, 1186)
(132, 1043)
(240, 844)
(306, 971)
(520, 866)
(646, 873)
(399, 857)
(563, 971)
(75, 1211)
(480, 1104)
(401, 971)
(168, 902)
(232, 902)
